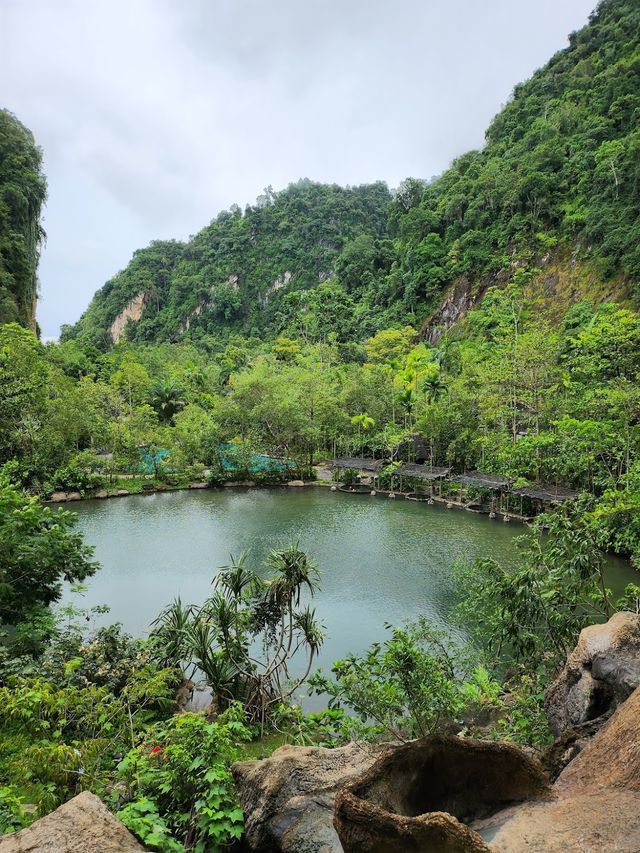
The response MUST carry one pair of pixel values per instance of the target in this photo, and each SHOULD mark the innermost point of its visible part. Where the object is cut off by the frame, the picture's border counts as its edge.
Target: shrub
(12, 814)
(416, 683)
(72, 478)
(179, 779)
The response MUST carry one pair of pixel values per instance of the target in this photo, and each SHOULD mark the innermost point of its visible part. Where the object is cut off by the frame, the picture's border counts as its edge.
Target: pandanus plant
(246, 635)
(168, 635)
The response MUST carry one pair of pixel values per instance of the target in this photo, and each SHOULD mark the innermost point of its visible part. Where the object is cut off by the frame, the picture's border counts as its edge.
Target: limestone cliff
(131, 311)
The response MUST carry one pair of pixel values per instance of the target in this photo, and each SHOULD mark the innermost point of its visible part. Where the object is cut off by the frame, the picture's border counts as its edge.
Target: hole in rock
(469, 780)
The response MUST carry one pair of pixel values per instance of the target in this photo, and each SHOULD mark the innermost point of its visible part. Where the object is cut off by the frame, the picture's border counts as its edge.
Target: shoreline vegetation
(347, 480)
(148, 487)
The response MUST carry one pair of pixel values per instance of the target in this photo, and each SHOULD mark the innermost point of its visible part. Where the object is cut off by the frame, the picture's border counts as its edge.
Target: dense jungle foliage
(560, 167)
(235, 271)
(23, 190)
(274, 340)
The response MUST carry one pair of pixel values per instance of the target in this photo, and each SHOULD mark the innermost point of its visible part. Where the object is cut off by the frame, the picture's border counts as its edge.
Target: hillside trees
(238, 270)
(23, 191)
(322, 262)
(23, 391)
(560, 161)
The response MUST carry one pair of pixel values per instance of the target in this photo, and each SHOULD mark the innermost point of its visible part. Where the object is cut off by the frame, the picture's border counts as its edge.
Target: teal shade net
(150, 461)
(233, 459)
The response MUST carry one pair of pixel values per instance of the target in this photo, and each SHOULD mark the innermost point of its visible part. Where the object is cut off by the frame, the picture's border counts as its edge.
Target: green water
(381, 560)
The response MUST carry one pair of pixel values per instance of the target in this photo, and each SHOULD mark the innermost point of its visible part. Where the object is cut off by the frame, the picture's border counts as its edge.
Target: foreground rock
(419, 797)
(597, 798)
(288, 799)
(601, 672)
(83, 825)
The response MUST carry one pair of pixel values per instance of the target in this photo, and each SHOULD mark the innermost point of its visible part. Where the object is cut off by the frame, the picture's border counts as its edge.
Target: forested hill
(558, 181)
(22, 193)
(236, 271)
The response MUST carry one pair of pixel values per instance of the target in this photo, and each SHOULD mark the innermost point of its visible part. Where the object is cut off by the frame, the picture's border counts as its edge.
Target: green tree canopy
(23, 190)
(38, 550)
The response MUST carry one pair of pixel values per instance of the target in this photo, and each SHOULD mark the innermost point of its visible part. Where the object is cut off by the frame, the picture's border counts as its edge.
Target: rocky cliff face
(131, 311)
(562, 280)
(456, 303)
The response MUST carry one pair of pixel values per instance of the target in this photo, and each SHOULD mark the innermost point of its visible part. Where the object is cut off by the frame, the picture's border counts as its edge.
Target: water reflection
(381, 561)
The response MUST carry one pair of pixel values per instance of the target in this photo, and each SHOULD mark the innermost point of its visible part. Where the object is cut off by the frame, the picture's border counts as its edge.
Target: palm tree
(166, 398)
(219, 671)
(236, 580)
(433, 386)
(222, 638)
(363, 422)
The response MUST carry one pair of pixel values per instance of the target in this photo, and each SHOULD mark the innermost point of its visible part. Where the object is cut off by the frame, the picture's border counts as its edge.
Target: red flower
(156, 749)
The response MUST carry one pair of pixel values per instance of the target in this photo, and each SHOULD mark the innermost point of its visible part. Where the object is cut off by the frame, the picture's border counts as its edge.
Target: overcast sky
(155, 114)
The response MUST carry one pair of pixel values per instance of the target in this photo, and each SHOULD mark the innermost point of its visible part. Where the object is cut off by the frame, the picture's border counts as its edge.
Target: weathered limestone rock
(600, 673)
(131, 311)
(122, 493)
(74, 496)
(295, 483)
(288, 798)
(565, 748)
(83, 825)
(455, 304)
(278, 283)
(202, 305)
(184, 693)
(597, 798)
(449, 795)
(418, 797)
(376, 833)
(58, 497)
(198, 485)
(102, 494)
(612, 758)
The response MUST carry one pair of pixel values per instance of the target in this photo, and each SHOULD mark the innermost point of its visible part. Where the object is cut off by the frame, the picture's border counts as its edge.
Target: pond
(381, 560)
